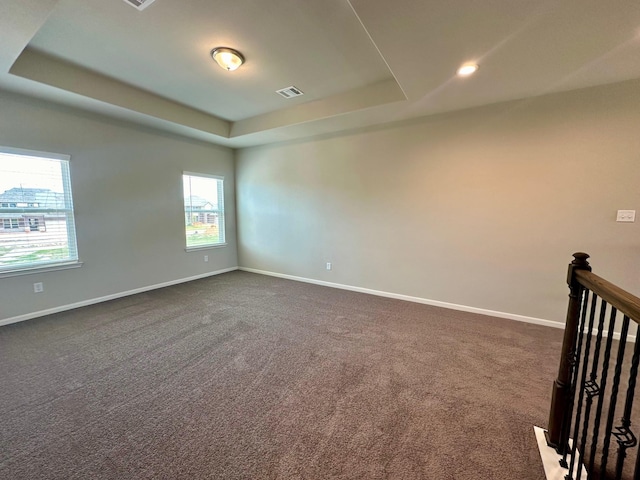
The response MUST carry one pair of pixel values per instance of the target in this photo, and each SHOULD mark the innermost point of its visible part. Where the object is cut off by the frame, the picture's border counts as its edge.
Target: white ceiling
(359, 62)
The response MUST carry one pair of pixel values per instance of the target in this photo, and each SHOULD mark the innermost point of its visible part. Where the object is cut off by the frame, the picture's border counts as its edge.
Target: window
(36, 209)
(203, 210)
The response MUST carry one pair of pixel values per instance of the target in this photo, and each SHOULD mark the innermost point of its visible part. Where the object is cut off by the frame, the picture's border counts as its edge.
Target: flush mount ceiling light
(467, 69)
(227, 58)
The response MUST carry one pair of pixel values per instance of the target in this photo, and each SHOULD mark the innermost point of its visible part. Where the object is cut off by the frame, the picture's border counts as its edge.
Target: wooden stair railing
(584, 399)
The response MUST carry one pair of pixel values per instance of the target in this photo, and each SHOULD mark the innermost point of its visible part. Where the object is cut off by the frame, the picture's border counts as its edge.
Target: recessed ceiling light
(467, 69)
(227, 58)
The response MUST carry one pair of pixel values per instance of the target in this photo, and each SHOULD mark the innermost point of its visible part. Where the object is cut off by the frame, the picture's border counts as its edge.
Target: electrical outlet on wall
(206, 258)
(38, 287)
(329, 265)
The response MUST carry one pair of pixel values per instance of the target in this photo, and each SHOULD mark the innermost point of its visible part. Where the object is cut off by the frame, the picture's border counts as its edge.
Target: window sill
(204, 247)
(43, 269)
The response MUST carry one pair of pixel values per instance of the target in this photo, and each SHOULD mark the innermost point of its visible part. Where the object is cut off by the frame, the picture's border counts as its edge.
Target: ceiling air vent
(139, 4)
(290, 92)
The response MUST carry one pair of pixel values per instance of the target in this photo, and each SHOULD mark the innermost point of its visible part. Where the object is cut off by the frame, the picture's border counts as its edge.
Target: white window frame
(73, 260)
(220, 211)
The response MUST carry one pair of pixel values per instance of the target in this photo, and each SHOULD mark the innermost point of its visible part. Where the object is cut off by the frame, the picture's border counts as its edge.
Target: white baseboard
(92, 301)
(426, 301)
(551, 459)
(380, 293)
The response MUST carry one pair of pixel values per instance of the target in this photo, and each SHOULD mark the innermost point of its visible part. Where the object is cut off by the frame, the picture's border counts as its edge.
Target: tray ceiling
(359, 63)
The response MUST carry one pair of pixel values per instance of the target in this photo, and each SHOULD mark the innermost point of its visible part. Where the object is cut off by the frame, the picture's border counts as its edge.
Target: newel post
(560, 416)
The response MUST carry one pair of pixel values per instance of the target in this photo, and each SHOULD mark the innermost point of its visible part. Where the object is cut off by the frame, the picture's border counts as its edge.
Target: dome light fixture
(467, 69)
(227, 58)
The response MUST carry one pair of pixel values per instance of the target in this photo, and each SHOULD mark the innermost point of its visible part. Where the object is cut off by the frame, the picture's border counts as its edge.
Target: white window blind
(203, 210)
(37, 226)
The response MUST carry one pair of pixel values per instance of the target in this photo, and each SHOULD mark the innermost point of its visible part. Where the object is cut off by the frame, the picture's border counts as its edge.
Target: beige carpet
(243, 376)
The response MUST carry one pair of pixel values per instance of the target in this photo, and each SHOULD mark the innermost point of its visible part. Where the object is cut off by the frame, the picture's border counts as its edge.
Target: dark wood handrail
(624, 302)
(584, 398)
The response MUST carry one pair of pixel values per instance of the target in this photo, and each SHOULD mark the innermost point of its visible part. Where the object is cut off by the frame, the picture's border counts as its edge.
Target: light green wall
(481, 208)
(127, 189)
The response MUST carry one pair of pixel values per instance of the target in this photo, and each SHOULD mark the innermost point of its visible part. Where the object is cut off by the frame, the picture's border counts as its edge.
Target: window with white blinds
(203, 210)
(37, 227)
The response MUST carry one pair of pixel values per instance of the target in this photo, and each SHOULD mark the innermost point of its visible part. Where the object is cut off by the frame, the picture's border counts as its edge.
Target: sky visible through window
(203, 187)
(29, 172)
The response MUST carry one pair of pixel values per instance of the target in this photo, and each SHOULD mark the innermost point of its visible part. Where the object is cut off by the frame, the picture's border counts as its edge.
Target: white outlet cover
(626, 216)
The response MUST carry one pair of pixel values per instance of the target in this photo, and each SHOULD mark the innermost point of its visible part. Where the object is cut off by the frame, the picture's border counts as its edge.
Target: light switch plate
(626, 216)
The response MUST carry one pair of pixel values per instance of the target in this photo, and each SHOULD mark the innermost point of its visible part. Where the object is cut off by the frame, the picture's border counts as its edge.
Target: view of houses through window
(36, 210)
(203, 210)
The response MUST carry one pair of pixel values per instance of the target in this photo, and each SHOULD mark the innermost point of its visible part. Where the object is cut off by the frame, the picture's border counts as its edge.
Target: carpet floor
(244, 376)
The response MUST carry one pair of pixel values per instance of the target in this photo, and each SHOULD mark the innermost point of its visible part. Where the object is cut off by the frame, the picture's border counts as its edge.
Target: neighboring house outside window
(203, 210)
(26, 220)
(37, 227)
